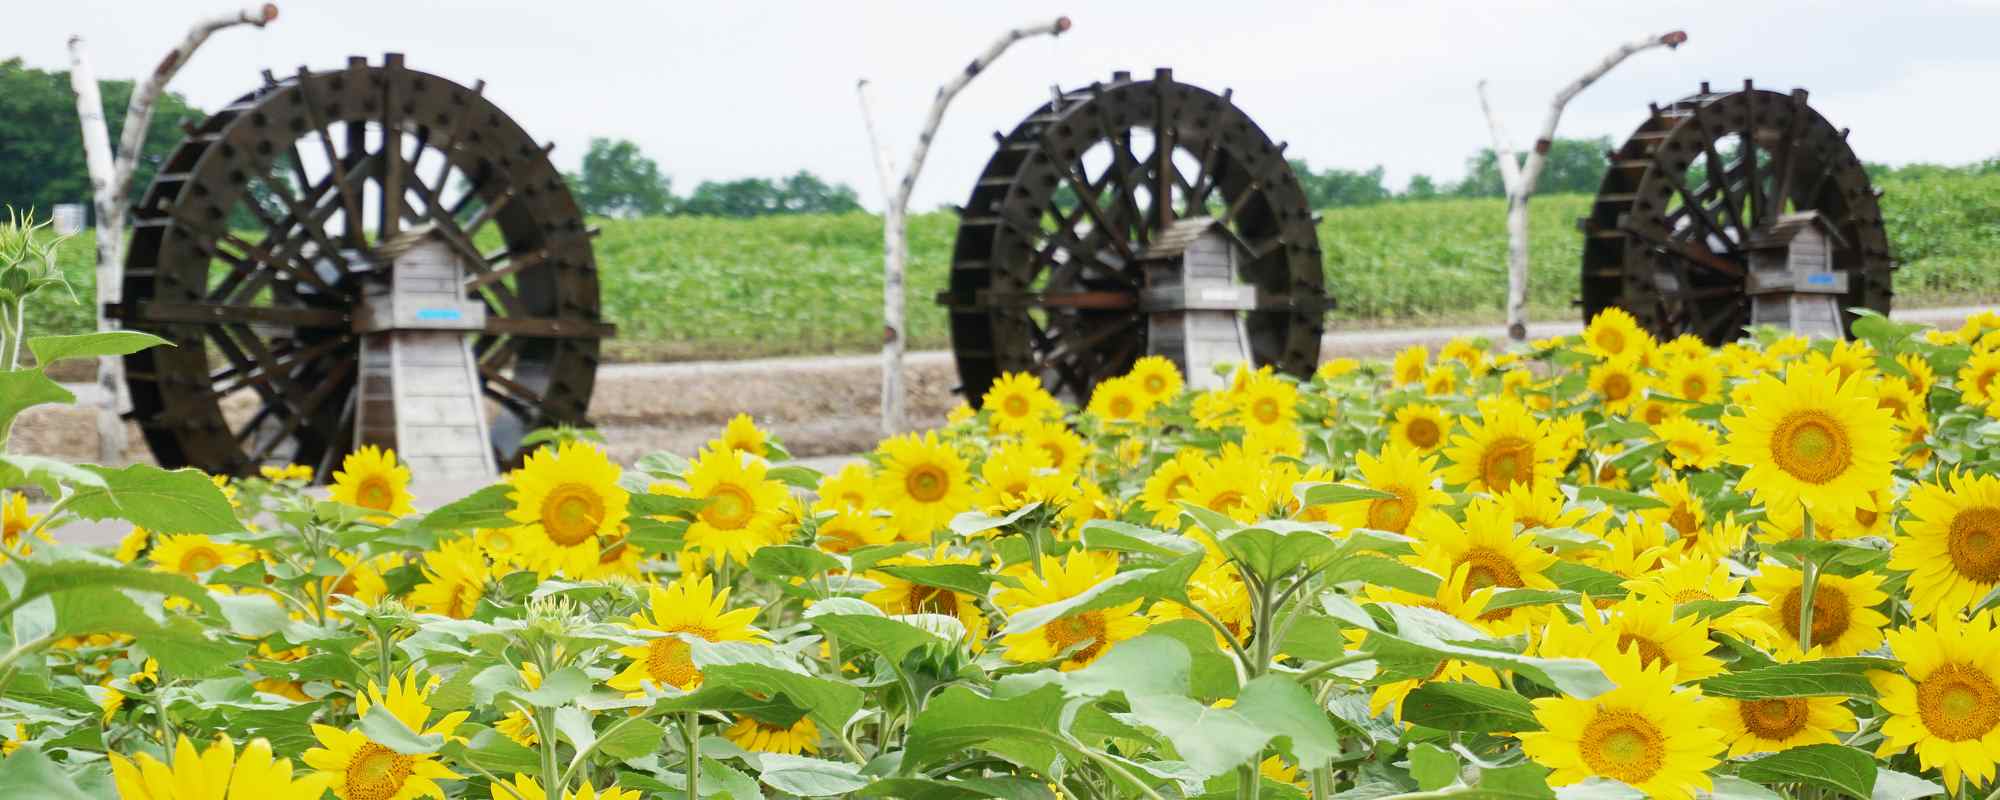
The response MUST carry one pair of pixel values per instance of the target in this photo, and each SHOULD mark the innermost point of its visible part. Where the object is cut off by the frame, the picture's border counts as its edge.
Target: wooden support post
(1519, 176)
(896, 208)
(111, 184)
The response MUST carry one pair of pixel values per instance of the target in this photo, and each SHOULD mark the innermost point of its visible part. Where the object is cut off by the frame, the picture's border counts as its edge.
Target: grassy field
(683, 288)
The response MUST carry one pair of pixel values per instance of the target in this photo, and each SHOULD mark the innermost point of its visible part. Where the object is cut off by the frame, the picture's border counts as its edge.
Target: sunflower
(1950, 543)
(1230, 484)
(1218, 589)
(849, 530)
(686, 607)
(566, 499)
(1157, 378)
(1692, 444)
(1079, 638)
(15, 522)
(1487, 546)
(903, 596)
(1699, 577)
(852, 487)
(1917, 375)
(1505, 446)
(1615, 332)
(1017, 400)
(1645, 628)
(455, 577)
(1646, 733)
(1066, 450)
(526, 788)
(1118, 400)
(1779, 723)
(517, 725)
(758, 736)
(293, 473)
(357, 768)
(1619, 383)
(1844, 622)
(371, 478)
(1441, 381)
(1400, 472)
(1696, 380)
(1335, 367)
(1410, 366)
(1946, 704)
(1975, 379)
(218, 773)
(1684, 512)
(1811, 437)
(193, 554)
(922, 483)
(1268, 402)
(742, 506)
(1015, 476)
(1895, 397)
(1848, 358)
(743, 435)
(1172, 481)
(1542, 506)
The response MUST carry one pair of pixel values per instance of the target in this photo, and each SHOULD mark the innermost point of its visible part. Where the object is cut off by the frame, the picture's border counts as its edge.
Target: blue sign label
(439, 314)
(1820, 279)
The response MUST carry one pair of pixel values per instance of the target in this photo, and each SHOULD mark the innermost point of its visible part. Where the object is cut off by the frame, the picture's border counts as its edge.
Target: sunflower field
(1599, 567)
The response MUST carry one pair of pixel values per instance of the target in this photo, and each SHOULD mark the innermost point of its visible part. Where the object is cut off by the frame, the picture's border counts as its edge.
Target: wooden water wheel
(1056, 271)
(255, 247)
(1691, 193)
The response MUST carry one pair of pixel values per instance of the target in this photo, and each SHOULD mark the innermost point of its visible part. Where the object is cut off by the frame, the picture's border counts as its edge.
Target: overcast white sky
(715, 90)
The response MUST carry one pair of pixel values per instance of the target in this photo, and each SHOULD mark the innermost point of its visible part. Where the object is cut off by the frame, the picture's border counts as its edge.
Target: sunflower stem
(551, 770)
(691, 734)
(1808, 585)
(1247, 783)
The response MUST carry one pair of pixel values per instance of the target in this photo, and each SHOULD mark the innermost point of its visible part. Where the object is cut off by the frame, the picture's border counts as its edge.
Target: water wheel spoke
(1693, 206)
(1086, 198)
(331, 385)
(1782, 158)
(1204, 179)
(1165, 178)
(1718, 176)
(389, 218)
(316, 117)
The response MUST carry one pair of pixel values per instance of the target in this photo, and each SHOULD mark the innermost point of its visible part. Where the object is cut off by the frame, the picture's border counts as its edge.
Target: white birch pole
(111, 184)
(896, 207)
(1519, 176)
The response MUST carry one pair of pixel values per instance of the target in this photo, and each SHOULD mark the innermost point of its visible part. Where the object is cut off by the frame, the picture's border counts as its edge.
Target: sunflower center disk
(669, 661)
(1812, 447)
(1775, 719)
(1650, 652)
(200, 559)
(1623, 745)
(1488, 568)
(729, 507)
(1974, 543)
(572, 513)
(1422, 433)
(1391, 513)
(1507, 460)
(376, 773)
(1958, 702)
(1617, 387)
(926, 484)
(1829, 613)
(1068, 632)
(932, 600)
(375, 493)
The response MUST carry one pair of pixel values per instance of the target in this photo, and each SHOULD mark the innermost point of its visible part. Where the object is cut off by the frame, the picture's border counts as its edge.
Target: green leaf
(631, 738)
(647, 504)
(29, 773)
(49, 349)
(164, 501)
(967, 578)
(893, 639)
(1271, 550)
(1469, 707)
(809, 777)
(494, 753)
(1211, 672)
(1837, 767)
(1021, 727)
(1627, 501)
(23, 389)
(486, 508)
(1138, 666)
(1125, 537)
(1826, 677)
(1212, 740)
(762, 670)
(1004, 788)
(971, 522)
(49, 474)
(778, 562)
(1288, 712)
(1168, 581)
(795, 476)
(1584, 579)
(1383, 572)
(1893, 785)
(50, 577)
(1434, 767)
(662, 464)
(385, 729)
(1730, 787)
(719, 779)
(1326, 494)
(1424, 637)
(559, 688)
